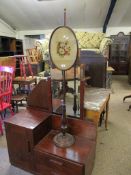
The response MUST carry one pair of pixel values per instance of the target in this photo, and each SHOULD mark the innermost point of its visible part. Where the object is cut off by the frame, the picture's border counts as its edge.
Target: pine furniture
(96, 101)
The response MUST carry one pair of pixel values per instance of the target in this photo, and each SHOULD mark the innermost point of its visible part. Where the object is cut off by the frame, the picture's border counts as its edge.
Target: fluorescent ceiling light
(45, 0)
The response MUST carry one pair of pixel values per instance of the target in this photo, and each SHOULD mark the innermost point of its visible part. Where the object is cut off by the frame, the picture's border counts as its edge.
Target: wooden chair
(24, 60)
(6, 76)
(34, 54)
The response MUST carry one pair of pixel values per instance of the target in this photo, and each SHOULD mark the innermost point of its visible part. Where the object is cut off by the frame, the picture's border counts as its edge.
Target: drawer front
(47, 164)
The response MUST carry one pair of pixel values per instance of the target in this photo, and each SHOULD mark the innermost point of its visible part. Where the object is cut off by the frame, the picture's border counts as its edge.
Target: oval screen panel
(63, 47)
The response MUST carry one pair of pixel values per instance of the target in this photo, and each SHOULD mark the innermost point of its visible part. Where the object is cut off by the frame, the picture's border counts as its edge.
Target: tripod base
(64, 141)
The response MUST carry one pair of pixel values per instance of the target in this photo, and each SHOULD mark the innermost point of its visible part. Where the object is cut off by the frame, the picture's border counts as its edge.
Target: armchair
(96, 42)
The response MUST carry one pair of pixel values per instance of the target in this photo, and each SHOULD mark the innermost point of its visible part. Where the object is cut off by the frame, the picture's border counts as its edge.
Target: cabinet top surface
(28, 118)
(78, 152)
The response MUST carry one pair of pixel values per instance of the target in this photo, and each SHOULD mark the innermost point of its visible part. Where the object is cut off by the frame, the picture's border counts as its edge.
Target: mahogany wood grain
(23, 132)
(41, 96)
(76, 127)
(30, 136)
(77, 159)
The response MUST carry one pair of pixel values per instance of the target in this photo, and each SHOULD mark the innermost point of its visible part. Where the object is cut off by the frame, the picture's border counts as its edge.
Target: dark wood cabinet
(119, 53)
(10, 46)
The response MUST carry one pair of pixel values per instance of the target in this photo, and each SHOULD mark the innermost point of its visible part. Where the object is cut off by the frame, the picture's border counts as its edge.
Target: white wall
(6, 30)
(20, 34)
(28, 42)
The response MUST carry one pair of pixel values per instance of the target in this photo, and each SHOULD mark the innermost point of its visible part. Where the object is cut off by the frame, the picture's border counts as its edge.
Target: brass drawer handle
(56, 162)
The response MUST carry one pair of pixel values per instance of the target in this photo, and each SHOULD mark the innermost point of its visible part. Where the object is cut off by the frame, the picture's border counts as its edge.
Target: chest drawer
(47, 164)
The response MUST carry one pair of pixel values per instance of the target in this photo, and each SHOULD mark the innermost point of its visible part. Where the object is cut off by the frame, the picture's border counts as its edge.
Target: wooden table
(96, 101)
(109, 71)
(28, 81)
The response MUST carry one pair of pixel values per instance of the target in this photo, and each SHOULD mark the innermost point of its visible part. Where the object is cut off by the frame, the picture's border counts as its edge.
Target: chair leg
(17, 106)
(11, 111)
(101, 118)
(1, 116)
(128, 96)
(1, 129)
(4, 113)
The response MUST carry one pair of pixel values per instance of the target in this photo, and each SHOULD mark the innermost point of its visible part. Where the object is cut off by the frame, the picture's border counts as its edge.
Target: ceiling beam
(108, 16)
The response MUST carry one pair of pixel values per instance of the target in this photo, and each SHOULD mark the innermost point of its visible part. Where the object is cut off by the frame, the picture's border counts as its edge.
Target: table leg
(107, 110)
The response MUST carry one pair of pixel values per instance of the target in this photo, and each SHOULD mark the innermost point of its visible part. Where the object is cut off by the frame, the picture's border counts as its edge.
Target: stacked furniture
(94, 53)
(24, 83)
(32, 132)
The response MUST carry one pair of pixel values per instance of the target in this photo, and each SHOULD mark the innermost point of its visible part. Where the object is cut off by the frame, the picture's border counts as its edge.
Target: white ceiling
(35, 15)
(121, 16)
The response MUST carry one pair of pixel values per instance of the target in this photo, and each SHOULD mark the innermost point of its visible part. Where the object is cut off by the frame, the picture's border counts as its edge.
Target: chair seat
(4, 106)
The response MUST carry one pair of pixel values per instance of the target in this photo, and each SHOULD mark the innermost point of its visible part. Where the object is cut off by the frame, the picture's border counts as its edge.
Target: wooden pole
(64, 17)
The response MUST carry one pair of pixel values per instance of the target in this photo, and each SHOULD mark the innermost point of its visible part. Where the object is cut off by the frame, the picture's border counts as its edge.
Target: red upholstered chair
(6, 76)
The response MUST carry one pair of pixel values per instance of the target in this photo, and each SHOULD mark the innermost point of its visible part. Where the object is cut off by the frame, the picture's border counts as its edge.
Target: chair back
(24, 64)
(24, 60)
(6, 77)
